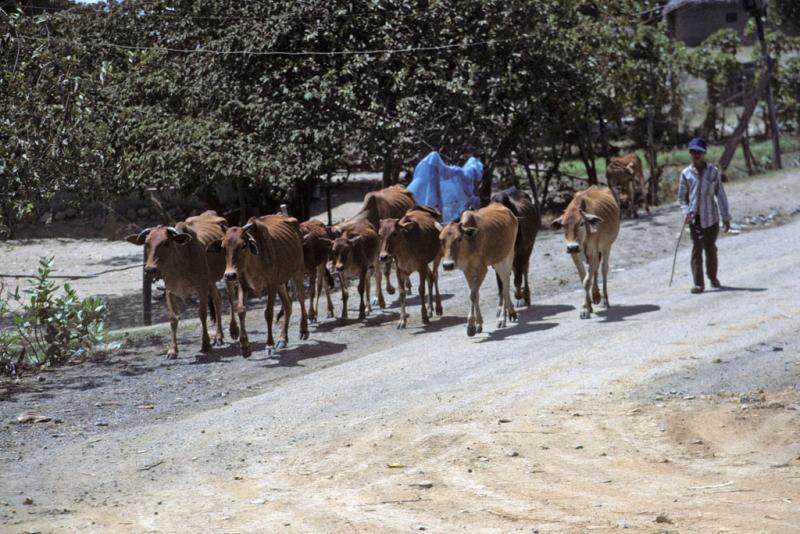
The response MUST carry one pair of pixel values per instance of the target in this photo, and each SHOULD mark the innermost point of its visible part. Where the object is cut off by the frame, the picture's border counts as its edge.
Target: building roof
(674, 5)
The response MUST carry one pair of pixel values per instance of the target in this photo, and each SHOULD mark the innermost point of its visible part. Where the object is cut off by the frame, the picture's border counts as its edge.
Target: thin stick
(675, 256)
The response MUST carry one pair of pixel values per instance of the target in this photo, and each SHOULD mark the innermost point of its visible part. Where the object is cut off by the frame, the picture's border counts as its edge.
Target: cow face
(577, 225)
(391, 233)
(455, 239)
(236, 244)
(342, 249)
(160, 244)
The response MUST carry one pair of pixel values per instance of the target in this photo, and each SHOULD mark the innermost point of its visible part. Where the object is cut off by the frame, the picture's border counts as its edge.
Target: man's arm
(722, 200)
(683, 197)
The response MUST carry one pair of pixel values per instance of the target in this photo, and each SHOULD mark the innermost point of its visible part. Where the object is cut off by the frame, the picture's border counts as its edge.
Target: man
(700, 182)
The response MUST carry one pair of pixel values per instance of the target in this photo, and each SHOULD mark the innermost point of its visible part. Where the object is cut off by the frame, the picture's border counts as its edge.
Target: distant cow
(178, 255)
(480, 239)
(388, 203)
(355, 252)
(263, 256)
(591, 224)
(316, 250)
(413, 241)
(521, 205)
(624, 172)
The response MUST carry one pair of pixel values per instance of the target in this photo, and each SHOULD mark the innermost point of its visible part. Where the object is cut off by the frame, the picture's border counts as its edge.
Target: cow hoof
(330, 315)
(234, 332)
(471, 331)
(585, 314)
(270, 351)
(514, 318)
(605, 304)
(280, 345)
(205, 348)
(172, 355)
(246, 351)
(480, 328)
(304, 335)
(439, 311)
(312, 322)
(501, 324)
(401, 325)
(426, 320)
(390, 290)
(362, 316)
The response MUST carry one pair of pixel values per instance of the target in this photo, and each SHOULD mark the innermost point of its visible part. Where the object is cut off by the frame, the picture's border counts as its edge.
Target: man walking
(699, 184)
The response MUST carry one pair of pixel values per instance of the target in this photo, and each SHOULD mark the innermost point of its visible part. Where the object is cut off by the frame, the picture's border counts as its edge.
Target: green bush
(48, 328)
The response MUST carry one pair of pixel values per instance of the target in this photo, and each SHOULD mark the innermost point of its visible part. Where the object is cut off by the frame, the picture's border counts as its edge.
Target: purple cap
(698, 144)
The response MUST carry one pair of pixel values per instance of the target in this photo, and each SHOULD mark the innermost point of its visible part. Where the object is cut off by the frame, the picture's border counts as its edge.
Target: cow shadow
(436, 324)
(232, 350)
(292, 356)
(414, 300)
(530, 320)
(615, 314)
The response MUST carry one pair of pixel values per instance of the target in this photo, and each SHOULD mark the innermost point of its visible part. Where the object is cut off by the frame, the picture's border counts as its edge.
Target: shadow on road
(529, 321)
(292, 356)
(732, 288)
(615, 314)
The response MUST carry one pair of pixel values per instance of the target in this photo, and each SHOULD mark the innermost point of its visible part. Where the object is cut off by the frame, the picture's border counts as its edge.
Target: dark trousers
(703, 240)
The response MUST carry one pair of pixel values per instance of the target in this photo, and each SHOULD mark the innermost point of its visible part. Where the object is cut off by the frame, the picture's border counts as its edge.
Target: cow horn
(172, 231)
(247, 227)
(143, 234)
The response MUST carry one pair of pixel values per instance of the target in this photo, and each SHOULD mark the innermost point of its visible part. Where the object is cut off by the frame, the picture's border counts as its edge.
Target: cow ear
(470, 231)
(557, 223)
(133, 239)
(354, 240)
(593, 221)
(325, 241)
(214, 246)
(406, 225)
(182, 239)
(252, 246)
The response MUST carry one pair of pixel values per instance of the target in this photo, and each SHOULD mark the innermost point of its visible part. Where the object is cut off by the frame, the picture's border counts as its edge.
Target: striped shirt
(696, 195)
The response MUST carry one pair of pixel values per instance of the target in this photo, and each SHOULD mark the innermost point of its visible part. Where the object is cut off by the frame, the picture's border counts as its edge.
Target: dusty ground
(303, 440)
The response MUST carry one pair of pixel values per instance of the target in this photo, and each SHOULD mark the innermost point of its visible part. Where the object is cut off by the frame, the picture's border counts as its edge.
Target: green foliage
(49, 328)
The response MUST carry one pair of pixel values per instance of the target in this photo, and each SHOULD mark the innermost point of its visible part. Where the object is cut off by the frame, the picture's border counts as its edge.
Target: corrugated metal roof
(677, 4)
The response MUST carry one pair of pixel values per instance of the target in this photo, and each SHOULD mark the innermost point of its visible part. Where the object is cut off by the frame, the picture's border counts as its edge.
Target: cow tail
(329, 276)
(212, 310)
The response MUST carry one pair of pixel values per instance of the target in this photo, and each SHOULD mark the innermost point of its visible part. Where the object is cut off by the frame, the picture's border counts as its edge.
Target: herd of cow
(272, 255)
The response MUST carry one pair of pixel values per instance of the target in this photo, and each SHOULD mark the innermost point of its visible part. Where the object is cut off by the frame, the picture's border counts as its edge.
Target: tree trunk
(328, 198)
(387, 170)
(241, 190)
(523, 150)
(652, 155)
(603, 138)
(586, 156)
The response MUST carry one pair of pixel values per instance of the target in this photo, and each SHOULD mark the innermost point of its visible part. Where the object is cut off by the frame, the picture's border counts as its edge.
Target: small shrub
(48, 328)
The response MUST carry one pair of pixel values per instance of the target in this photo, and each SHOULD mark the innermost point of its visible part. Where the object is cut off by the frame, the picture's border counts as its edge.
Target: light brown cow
(388, 203)
(355, 252)
(317, 240)
(178, 254)
(210, 227)
(413, 241)
(623, 172)
(480, 239)
(591, 225)
(262, 256)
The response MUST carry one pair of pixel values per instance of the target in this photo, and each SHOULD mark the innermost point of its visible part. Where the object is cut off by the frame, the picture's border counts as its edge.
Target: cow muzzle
(384, 257)
(573, 248)
(231, 276)
(448, 265)
(151, 270)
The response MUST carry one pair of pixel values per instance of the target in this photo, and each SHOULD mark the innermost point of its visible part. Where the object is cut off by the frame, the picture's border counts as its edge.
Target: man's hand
(726, 226)
(687, 219)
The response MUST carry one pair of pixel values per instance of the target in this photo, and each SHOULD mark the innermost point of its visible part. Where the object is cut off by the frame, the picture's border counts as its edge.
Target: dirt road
(647, 416)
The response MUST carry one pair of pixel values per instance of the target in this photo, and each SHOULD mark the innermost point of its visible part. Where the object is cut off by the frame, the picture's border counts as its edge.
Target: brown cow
(317, 240)
(211, 227)
(179, 256)
(388, 203)
(263, 256)
(355, 251)
(623, 172)
(482, 238)
(521, 205)
(591, 224)
(413, 241)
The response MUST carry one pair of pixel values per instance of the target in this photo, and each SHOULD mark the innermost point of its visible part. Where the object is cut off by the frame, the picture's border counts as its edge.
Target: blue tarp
(448, 188)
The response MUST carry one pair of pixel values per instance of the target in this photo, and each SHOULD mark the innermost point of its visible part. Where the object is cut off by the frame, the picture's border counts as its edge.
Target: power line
(306, 53)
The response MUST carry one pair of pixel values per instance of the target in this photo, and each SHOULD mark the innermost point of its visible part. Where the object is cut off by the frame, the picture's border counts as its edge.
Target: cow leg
(500, 305)
(234, 328)
(203, 309)
(596, 280)
(313, 298)
(605, 278)
(526, 290)
(363, 282)
(322, 282)
(377, 268)
(172, 309)
(241, 308)
(343, 283)
(387, 271)
(423, 274)
(576, 259)
(587, 283)
(216, 300)
(632, 200)
(286, 303)
(268, 313)
(401, 323)
(503, 271)
(435, 273)
(645, 192)
(429, 279)
(475, 319)
(301, 298)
